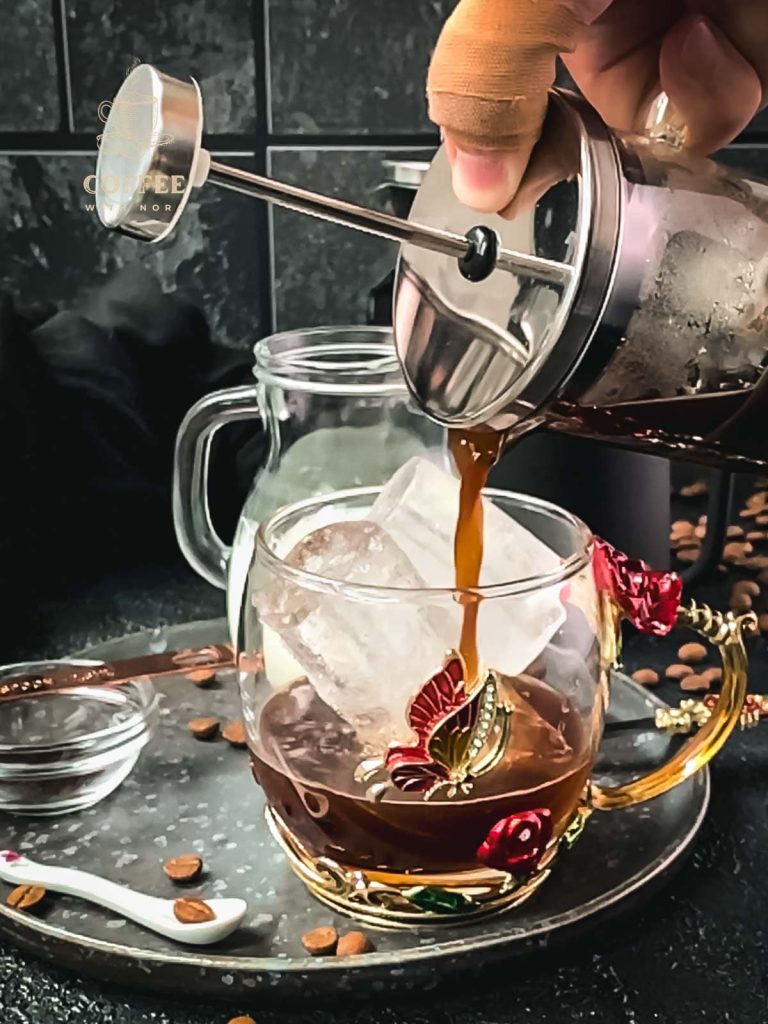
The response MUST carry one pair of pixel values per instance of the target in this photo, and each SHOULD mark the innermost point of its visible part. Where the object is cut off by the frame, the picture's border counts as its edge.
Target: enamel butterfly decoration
(460, 735)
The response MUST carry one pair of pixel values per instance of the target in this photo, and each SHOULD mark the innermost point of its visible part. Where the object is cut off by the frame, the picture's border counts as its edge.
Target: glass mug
(337, 414)
(399, 796)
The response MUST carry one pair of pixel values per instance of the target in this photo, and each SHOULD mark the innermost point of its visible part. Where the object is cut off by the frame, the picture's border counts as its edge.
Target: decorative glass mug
(399, 793)
(337, 414)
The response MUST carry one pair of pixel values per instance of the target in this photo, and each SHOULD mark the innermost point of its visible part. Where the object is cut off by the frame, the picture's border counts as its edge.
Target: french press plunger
(624, 295)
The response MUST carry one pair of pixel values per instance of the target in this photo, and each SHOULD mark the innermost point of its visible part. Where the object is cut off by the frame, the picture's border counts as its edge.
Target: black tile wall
(28, 79)
(351, 67)
(56, 250)
(323, 273)
(211, 41)
(322, 90)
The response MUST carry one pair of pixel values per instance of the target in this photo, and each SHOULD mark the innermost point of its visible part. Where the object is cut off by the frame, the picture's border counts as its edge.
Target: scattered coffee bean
(694, 684)
(242, 1020)
(678, 672)
(681, 527)
(695, 490)
(736, 550)
(202, 676)
(204, 728)
(185, 868)
(762, 520)
(734, 531)
(353, 944)
(746, 587)
(688, 555)
(762, 577)
(688, 545)
(740, 602)
(192, 911)
(700, 532)
(750, 513)
(758, 562)
(320, 941)
(24, 897)
(712, 675)
(692, 653)
(757, 535)
(234, 734)
(758, 499)
(646, 677)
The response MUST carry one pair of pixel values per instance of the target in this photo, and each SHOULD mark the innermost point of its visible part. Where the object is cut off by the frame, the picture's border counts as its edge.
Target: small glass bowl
(65, 751)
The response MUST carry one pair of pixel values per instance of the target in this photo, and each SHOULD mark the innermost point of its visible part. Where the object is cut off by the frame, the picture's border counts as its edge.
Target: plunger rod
(376, 222)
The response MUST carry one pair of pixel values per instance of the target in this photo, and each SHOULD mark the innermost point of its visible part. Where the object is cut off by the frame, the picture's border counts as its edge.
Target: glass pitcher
(337, 414)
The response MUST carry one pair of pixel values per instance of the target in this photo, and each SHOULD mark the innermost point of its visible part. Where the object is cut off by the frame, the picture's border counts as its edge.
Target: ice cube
(365, 658)
(418, 508)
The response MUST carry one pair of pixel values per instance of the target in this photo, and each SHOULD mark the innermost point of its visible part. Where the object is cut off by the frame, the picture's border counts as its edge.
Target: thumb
(487, 87)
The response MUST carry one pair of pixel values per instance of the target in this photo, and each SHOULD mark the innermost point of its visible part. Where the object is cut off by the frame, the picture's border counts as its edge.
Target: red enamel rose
(517, 843)
(649, 598)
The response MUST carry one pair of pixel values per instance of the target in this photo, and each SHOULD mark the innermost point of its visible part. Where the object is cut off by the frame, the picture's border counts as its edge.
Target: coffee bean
(757, 500)
(762, 520)
(353, 944)
(320, 941)
(692, 653)
(234, 733)
(700, 532)
(734, 531)
(681, 528)
(736, 550)
(202, 676)
(646, 677)
(746, 587)
(756, 562)
(694, 684)
(688, 555)
(695, 490)
(192, 911)
(740, 602)
(678, 671)
(242, 1020)
(24, 897)
(712, 675)
(750, 513)
(204, 728)
(185, 868)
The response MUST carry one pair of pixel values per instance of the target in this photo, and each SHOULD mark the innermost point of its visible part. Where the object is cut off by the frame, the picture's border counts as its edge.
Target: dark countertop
(696, 951)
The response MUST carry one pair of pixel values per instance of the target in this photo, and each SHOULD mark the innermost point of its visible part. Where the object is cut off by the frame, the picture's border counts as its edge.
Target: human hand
(495, 61)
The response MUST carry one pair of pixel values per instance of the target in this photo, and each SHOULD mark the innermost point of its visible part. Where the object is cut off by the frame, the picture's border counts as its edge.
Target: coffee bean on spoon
(24, 897)
(204, 728)
(185, 868)
(677, 672)
(320, 941)
(192, 911)
(646, 676)
(692, 653)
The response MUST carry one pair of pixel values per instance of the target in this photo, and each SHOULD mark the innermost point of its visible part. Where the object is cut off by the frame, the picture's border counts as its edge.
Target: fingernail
(487, 181)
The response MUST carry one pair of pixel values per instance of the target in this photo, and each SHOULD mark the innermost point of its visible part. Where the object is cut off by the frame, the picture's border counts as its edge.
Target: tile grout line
(64, 42)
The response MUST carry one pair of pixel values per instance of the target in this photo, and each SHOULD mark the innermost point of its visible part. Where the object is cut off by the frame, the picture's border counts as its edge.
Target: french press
(623, 296)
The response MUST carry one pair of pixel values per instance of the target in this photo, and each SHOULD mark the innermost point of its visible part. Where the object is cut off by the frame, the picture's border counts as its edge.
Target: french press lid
(492, 312)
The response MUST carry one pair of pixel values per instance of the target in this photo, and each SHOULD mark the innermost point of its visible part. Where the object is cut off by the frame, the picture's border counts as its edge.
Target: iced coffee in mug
(426, 747)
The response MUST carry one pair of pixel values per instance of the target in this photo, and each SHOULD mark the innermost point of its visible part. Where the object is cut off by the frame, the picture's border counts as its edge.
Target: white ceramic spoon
(149, 911)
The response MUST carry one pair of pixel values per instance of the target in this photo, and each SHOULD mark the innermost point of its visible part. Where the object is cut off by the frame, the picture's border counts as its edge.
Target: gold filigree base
(406, 901)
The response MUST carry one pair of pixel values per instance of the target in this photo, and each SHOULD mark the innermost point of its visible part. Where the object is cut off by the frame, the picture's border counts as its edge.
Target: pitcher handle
(201, 545)
(726, 632)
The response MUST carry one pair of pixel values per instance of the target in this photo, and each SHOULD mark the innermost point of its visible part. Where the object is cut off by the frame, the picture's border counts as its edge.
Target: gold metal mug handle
(726, 632)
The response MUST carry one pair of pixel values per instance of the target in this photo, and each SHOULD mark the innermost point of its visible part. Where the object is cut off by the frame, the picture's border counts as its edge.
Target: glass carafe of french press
(623, 296)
